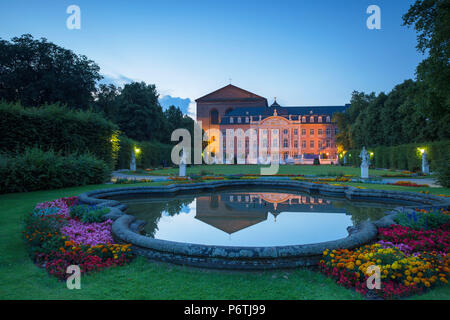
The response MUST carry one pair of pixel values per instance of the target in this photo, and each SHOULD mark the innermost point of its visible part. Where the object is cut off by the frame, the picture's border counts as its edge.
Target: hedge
(56, 128)
(405, 157)
(150, 154)
(35, 169)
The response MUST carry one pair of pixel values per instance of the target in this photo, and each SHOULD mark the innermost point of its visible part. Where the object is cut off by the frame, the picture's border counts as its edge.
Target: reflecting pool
(250, 218)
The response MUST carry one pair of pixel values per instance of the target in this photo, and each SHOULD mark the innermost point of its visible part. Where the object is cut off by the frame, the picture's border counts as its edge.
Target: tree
(37, 72)
(431, 19)
(107, 101)
(140, 115)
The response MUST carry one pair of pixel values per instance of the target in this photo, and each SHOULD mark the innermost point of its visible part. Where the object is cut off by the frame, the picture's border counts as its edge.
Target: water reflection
(252, 218)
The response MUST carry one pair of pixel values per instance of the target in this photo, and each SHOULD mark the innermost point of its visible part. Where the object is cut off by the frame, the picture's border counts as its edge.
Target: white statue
(365, 162)
(182, 168)
(425, 165)
(133, 161)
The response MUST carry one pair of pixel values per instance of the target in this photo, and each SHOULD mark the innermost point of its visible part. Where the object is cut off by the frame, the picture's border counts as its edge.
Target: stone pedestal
(364, 172)
(182, 170)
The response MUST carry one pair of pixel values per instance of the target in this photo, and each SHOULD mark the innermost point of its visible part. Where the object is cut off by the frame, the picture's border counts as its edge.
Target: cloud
(118, 80)
(185, 104)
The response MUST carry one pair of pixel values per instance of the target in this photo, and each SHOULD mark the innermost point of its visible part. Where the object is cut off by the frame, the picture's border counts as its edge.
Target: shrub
(422, 219)
(407, 156)
(151, 153)
(56, 128)
(88, 214)
(443, 173)
(40, 170)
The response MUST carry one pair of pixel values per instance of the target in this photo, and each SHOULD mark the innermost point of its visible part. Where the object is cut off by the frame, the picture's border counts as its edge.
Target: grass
(322, 170)
(21, 279)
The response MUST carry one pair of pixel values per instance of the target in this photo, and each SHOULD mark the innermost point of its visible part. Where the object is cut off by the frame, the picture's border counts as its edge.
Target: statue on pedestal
(365, 162)
(133, 161)
(182, 168)
(425, 165)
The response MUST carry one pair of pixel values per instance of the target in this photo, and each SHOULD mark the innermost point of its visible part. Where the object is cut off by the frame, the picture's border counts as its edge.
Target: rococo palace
(243, 128)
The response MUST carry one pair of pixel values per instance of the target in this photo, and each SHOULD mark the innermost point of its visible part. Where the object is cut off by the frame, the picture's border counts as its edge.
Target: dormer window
(311, 119)
(303, 119)
(246, 119)
(320, 119)
(239, 120)
(328, 119)
(231, 120)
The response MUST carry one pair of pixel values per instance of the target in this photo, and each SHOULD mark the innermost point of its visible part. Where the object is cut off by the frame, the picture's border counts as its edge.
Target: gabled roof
(231, 93)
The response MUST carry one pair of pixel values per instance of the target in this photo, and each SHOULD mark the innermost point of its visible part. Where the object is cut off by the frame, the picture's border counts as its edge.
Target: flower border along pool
(126, 227)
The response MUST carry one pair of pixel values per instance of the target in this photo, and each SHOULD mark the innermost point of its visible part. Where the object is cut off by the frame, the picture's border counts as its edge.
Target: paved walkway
(119, 175)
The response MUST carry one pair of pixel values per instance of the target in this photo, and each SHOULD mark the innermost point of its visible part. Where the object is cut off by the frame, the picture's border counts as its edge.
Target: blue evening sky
(303, 52)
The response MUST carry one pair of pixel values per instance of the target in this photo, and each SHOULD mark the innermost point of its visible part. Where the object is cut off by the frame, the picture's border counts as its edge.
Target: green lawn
(322, 170)
(21, 279)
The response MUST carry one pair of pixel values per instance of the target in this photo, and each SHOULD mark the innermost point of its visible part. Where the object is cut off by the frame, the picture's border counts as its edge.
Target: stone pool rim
(125, 227)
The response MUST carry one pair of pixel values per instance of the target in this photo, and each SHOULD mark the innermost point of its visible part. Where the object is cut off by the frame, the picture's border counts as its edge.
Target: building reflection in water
(232, 212)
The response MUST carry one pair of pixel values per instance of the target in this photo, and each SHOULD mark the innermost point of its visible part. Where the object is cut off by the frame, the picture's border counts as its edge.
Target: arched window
(214, 117)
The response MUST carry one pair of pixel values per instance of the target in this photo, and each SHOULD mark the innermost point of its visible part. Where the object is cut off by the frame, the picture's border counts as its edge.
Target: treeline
(389, 119)
(58, 123)
(414, 111)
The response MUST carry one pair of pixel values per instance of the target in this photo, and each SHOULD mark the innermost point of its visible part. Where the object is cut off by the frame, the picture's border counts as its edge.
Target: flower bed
(57, 237)
(410, 261)
(408, 184)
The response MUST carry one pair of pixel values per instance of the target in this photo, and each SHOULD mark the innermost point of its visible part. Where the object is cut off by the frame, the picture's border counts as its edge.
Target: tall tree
(430, 19)
(140, 115)
(37, 72)
(107, 101)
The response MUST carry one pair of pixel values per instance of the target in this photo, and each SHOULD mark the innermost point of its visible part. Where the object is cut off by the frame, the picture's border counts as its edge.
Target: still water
(250, 218)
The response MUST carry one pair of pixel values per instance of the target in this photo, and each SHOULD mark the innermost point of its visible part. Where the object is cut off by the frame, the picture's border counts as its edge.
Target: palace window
(231, 120)
(264, 143)
(303, 132)
(328, 143)
(328, 132)
(303, 119)
(311, 119)
(295, 131)
(320, 132)
(311, 144)
(320, 119)
(311, 132)
(303, 143)
(295, 144)
(285, 143)
(328, 118)
(214, 116)
(320, 144)
(239, 120)
(285, 131)
(246, 119)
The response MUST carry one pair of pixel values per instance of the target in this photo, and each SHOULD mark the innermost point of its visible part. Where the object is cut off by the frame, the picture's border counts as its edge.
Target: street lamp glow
(422, 150)
(137, 150)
